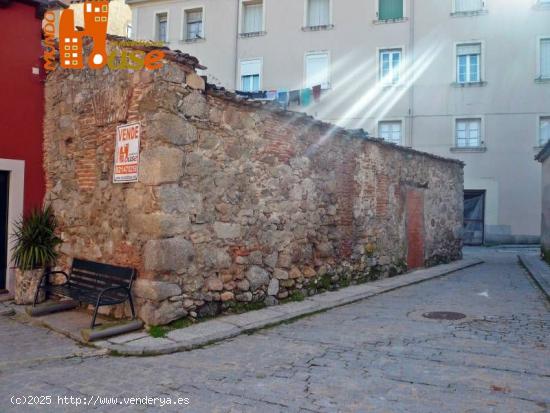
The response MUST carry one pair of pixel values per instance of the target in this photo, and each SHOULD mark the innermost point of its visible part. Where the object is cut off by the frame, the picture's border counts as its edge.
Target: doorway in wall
(474, 217)
(4, 192)
(415, 228)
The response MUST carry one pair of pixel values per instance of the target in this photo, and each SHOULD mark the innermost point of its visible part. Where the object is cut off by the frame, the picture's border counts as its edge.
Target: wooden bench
(92, 283)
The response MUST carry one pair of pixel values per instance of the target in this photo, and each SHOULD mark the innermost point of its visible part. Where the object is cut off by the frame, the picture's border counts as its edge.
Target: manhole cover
(444, 315)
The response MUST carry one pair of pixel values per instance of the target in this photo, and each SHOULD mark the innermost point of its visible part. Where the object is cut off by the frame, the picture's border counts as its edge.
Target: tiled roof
(176, 56)
(272, 106)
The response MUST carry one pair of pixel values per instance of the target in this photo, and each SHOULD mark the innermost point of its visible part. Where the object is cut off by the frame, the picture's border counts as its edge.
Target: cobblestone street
(378, 354)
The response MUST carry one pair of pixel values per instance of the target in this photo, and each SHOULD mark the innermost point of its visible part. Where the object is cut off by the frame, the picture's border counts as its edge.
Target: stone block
(158, 225)
(273, 287)
(227, 230)
(255, 258)
(324, 249)
(153, 313)
(271, 259)
(194, 81)
(294, 273)
(216, 258)
(155, 290)
(246, 296)
(171, 128)
(309, 272)
(213, 284)
(176, 199)
(243, 285)
(257, 277)
(171, 254)
(227, 296)
(280, 274)
(195, 106)
(160, 165)
(284, 260)
(173, 73)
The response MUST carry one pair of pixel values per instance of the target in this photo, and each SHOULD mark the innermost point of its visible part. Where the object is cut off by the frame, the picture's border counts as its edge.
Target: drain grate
(444, 315)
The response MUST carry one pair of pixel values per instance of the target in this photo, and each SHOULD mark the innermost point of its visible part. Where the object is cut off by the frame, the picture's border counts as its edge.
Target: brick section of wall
(345, 181)
(382, 194)
(236, 203)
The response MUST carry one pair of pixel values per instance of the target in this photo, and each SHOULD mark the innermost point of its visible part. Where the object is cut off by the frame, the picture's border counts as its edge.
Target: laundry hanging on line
(300, 97)
(282, 98)
(305, 97)
(294, 97)
(316, 90)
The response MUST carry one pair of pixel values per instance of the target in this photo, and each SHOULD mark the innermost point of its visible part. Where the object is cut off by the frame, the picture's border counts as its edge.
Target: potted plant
(34, 251)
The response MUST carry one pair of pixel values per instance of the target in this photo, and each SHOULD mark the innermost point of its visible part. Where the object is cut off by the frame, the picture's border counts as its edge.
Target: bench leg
(97, 304)
(38, 288)
(94, 316)
(132, 306)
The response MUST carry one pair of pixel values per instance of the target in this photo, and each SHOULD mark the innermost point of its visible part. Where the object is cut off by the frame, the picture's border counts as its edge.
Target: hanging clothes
(305, 97)
(252, 95)
(282, 98)
(294, 97)
(271, 95)
(316, 93)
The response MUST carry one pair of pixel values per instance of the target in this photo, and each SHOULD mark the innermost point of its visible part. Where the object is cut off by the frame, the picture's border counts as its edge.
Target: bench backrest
(95, 275)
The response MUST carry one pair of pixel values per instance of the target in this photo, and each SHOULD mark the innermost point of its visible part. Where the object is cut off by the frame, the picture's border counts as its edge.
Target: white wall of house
(508, 101)
(16, 169)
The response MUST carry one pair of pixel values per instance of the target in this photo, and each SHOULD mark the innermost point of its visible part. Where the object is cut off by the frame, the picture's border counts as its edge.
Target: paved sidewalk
(538, 270)
(207, 332)
(375, 355)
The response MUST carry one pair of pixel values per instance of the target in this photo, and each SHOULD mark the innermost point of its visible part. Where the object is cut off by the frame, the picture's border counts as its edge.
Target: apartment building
(467, 79)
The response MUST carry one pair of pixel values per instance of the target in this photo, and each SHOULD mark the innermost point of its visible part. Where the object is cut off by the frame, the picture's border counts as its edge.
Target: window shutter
(317, 70)
(468, 5)
(390, 9)
(194, 16)
(251, 67)
(468, 49)
(545, 58)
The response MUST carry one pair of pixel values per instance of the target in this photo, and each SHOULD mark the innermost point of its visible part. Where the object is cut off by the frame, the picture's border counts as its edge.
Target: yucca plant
(35, 240)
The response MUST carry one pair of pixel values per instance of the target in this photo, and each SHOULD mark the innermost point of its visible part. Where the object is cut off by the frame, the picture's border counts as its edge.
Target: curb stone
(538, 270)
(222, 328)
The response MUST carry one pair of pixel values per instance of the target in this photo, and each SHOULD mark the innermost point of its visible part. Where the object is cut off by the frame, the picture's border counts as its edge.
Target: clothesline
(285, 97)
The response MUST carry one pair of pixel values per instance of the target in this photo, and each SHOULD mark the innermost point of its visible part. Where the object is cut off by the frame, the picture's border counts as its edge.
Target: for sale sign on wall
(127, 153)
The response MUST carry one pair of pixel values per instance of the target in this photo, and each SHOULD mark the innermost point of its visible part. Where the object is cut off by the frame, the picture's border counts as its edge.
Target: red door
(415, 228)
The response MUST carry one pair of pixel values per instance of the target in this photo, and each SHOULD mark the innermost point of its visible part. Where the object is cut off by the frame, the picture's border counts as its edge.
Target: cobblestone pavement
(377, 355)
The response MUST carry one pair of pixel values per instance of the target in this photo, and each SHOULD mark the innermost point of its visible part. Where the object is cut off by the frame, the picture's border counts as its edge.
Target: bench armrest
(47, 273)
(121, 287)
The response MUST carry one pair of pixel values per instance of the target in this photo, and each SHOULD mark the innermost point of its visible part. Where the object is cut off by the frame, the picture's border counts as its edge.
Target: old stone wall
(237, 202)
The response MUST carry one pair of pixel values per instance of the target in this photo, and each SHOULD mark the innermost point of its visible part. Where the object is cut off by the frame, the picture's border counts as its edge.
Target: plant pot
(26, 283)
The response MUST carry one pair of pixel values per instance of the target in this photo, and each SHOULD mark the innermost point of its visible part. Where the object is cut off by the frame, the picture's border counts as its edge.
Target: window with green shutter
(390, 9)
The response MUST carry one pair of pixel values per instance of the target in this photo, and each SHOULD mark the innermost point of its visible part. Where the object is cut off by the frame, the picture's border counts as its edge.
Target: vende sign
(127, 153)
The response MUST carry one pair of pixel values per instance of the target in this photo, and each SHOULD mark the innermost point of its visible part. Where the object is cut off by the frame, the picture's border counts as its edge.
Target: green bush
(35, 240)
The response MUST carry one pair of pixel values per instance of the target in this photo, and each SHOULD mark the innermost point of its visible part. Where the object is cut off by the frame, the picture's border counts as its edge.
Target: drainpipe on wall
(236, 74)
(411, 90)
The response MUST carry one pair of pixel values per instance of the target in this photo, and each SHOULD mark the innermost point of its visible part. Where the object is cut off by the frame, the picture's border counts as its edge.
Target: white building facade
(468, 79)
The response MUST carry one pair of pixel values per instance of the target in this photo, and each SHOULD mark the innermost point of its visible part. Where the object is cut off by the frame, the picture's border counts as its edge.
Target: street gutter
(221, 328)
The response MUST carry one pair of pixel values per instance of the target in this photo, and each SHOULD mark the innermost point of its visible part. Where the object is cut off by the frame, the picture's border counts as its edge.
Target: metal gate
(474, 217)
